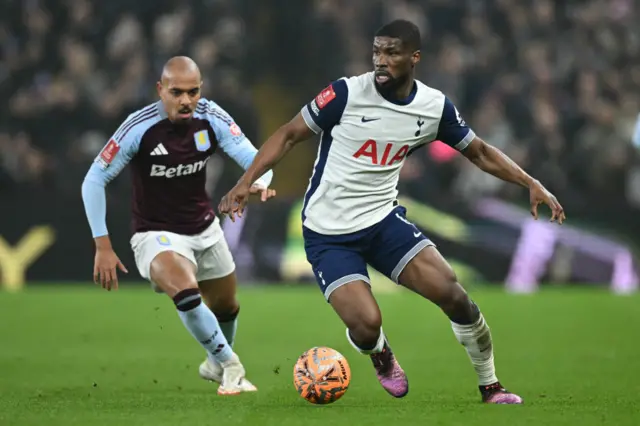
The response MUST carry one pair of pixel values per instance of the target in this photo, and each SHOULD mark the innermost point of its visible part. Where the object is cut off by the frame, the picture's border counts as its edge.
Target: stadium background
(553, 84)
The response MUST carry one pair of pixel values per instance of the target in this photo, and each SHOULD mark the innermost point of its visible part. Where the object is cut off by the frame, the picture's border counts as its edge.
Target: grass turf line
(79, 356)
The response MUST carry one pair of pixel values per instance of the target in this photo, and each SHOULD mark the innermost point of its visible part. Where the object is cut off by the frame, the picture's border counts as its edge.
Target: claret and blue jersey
(351, 217)
(168, 168)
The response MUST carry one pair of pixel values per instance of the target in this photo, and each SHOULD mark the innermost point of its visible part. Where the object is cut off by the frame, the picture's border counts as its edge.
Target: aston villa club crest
(163, 240)
(202, 140)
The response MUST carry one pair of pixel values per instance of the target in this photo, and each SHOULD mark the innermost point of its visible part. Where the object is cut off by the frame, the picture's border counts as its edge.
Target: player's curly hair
(406, 31)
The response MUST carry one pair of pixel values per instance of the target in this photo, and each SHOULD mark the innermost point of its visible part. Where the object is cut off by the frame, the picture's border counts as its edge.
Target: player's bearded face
(392, 62)
(388, 83)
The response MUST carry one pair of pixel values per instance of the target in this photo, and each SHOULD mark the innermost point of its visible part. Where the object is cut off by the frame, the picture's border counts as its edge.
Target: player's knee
(226, 310)
(460, 308)
(220, 295)
(359, 311)
(173, 273)
(446, 292)
(457, 299)
(449, 275)
(449, 295)
(222, 303)
(366, 327)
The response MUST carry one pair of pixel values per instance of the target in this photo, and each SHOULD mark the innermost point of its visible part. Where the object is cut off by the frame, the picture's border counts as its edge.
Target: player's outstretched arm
(236, 145)
(108, 164)
(493, 161)
(319, 115)
(453, 131)
(269, 154)
(95, 205)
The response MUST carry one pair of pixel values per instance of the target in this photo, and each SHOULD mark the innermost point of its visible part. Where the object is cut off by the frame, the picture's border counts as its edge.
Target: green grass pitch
(82, 356)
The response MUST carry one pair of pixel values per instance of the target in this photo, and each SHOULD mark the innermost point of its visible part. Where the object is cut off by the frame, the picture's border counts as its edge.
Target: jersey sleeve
(115, 155)
(232, 140)
(325, 110)
(452, 129)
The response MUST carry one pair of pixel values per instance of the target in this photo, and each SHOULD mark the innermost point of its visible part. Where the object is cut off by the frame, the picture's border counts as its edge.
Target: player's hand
(235, 200)
(104, 270)
(538, 194)
(265, 193)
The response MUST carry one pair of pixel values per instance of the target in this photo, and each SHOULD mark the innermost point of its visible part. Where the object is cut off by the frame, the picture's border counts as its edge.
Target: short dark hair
(406, 31)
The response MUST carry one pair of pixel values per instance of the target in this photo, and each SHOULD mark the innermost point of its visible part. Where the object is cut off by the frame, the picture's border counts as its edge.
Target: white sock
(202, 324)
(476, 338)
(375, 350)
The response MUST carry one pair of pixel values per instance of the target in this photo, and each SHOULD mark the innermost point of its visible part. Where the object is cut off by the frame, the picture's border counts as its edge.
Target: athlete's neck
(405, 90)
(403, 95)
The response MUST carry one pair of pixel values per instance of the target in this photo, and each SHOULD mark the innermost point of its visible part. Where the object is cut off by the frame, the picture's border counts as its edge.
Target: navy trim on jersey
(133, 117)
(325, 145)
(140, 116)
(141, 119)
(321, 119)
(212, 110)
(405, 101)
(452, 129)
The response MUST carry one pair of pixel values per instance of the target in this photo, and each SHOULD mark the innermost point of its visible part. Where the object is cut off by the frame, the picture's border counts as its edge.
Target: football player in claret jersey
(351, 218)
(177, 239)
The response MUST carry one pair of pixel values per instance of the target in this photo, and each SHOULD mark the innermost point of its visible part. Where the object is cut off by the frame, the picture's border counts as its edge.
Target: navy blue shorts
(387, 246)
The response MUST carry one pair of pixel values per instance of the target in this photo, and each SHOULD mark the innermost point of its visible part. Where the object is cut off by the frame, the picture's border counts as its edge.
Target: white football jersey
(365, 140)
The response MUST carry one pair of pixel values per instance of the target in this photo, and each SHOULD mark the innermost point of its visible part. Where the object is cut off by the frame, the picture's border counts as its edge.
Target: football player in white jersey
(351, 218)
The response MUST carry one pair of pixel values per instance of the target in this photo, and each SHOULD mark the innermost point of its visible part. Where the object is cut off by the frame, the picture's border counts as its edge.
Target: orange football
(321, 375)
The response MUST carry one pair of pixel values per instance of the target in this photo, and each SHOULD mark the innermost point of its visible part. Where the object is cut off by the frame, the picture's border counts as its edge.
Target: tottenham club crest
(459, 118)
(202, 140)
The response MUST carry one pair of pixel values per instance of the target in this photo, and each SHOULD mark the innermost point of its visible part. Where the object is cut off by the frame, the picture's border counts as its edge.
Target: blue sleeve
(95, 207)
(325, 110)
(115, 155)
(232, 141)
(452, 129)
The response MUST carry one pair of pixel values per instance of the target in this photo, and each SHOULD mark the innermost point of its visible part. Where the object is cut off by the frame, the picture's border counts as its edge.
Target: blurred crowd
(552, 83)
(555, 84)
(72, 70)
